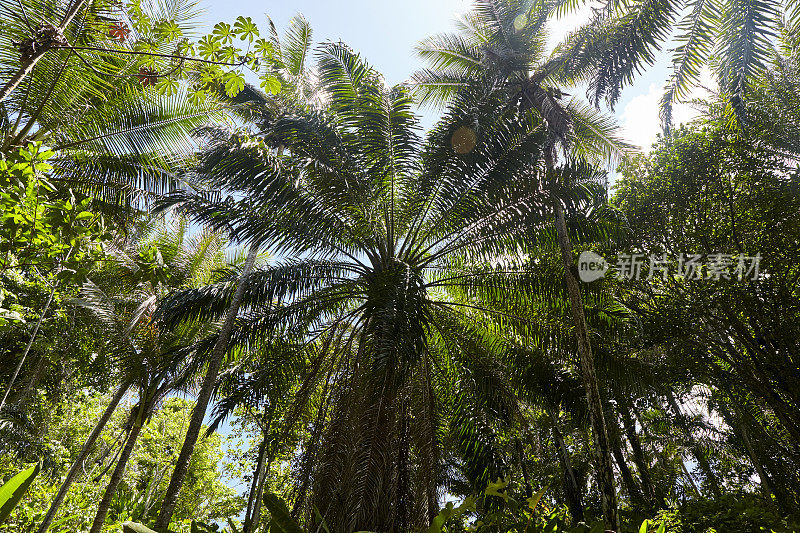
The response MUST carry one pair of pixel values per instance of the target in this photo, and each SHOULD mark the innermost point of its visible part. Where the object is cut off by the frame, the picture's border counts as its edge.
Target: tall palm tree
(501, 43)
(373, 224)
(153, 361)
(256, 109)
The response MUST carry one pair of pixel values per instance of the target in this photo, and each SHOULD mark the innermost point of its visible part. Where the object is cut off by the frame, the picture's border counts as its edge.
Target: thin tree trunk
(28, 346)
(639, 459)
(524, 467)
(697, 452)
(204, 397)
(119, 470)
(27, 66)
(35, 330)
(767, 486)
(258, 474)
(573, 491)
(21, 397)
(634, 491)
(260, 495)
(82, 455)
(602, 450)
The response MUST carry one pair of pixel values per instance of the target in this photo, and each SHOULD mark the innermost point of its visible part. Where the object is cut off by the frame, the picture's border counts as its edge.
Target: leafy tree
(501, 44)
(713, 193)
(734, 38)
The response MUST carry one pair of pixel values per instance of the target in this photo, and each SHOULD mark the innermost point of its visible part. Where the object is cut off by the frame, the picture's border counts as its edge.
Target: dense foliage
(289, 308)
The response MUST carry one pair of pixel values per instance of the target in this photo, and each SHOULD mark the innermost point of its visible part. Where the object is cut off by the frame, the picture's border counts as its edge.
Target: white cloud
(640, 119)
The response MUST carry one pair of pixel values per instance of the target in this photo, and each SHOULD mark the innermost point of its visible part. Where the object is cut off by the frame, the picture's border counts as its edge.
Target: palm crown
(375, 226)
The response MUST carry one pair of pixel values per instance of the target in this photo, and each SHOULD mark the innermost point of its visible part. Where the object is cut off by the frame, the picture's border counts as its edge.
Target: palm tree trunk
(119, 470)
(602, 450)
(697, 452)
(28, 64)
(634, 491)
(572, 490)
(204, 397)
(639, 460)
(250, 520)
(767, 486)
(82, 455)
(524, 467)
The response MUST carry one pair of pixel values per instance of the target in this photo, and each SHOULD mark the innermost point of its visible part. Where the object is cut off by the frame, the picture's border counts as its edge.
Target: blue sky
(385, 32)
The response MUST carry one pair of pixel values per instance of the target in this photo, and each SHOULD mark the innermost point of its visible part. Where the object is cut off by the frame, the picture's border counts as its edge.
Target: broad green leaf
(234, 83)
(245, 28)
(533, 501)
(264, 48)
(133, 527)
(494, 489)
(223, 32)
(271, 84)
(282, 521)
(14, 489)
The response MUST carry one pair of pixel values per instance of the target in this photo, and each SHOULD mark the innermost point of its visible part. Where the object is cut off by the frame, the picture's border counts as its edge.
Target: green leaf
(234, 83)
(245, 28)
(223, 32)
(282, 522)
(644, 526)
(264, 48)
(494, 489)
(449, 512)
(533, 501)
(167, 29)
(271, 84)
(132, 527)
(12, 491)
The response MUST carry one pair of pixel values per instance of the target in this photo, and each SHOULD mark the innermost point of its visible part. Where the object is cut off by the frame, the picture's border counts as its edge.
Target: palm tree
(153, 361)
(734, 38)
(255, 108)
(502, 44)
(373, 224)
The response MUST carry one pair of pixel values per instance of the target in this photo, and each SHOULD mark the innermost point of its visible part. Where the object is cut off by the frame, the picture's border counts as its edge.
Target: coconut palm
(372, 224)
(501, 43)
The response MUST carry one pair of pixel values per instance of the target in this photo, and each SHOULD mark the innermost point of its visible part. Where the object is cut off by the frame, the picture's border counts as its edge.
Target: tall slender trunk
(697, 452)
(767, 485)
(28, 346)
(21, 397)
(27, 65)
(634, 491)
(82, 455)
(119, 470)
(572, 489)
(35, 329)
(602, 450)
(204, 396)
(639, 459)
(525, 476)
(258, 476)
